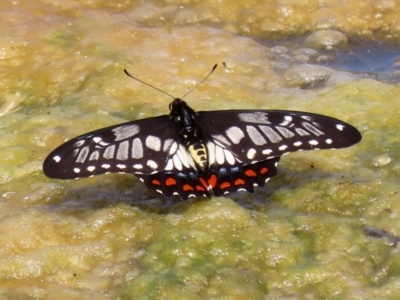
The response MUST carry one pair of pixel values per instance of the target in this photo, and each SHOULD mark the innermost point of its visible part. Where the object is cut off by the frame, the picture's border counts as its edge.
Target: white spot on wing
(255, 135)
(169, 165)
(235, 134)
(173, 148)
(94, 156)
(312, 129)
(267, 151)
(125, 131)
(219, 155)
(77, 170)
(229, 157)
(211, 152)
(287, 120)
(340, 127)
(177, 162)
(271, 134)
(123, 150)
(152, 164)
(301, 131)
(97, 139)
(137, 166)
(184, 157)
(251, 153)
(83, 155)
(297, 144)
(153, 142)
(121, 166)
(283, 147)
(91, 168)
(109, 152)
(254, 117)
(286, 133)
(137, 149)
(328, 141)
(167, 144)
(105, 166)
(57, 158)
(313, 142)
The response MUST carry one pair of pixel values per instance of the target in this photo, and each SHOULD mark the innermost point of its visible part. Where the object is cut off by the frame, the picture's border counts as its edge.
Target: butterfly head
(183, 116)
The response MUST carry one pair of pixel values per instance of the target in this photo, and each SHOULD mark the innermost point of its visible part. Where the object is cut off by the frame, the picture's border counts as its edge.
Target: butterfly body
(191, 131)
(203, 153)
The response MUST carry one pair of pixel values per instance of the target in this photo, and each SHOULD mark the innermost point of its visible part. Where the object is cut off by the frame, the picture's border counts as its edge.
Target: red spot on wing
(239, 181)
(264, 170)
(156, 182)
(200, 188)
(170, 181)
(187, 187)
(213, 180)
(250, 173)
(225, 185)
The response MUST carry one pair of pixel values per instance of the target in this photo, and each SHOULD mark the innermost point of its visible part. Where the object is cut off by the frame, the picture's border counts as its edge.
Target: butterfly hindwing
(186, 183)
(242, 177)
(222, 180)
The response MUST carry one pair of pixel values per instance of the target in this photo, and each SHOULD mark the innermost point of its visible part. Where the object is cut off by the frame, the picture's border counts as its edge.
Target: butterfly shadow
(107, 191)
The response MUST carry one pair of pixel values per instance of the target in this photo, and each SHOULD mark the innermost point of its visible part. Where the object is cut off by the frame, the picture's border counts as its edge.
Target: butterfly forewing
(236, 137)
(144, 146)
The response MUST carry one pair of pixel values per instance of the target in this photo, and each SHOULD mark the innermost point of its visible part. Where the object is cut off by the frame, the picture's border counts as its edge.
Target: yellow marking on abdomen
(199, 154)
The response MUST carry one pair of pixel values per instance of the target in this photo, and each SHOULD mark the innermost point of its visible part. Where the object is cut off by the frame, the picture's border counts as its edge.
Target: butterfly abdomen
(198, 152)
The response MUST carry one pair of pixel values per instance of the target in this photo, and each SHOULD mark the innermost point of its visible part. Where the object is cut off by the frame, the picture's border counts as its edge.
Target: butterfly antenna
(213, 69)
(126, 72)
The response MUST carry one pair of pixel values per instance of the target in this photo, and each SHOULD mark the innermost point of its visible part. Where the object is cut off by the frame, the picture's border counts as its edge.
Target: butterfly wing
(152, 149)
(144, 146)
(242, 177)
(244, 147)
(253, 136)
(243, 150)
(221, 180)
(187, 183)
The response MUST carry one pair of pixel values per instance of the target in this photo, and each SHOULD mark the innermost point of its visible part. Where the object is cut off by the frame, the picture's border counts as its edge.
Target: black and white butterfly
(193, 154)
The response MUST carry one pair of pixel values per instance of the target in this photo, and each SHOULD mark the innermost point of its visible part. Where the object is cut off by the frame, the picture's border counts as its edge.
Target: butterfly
(203, 153)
